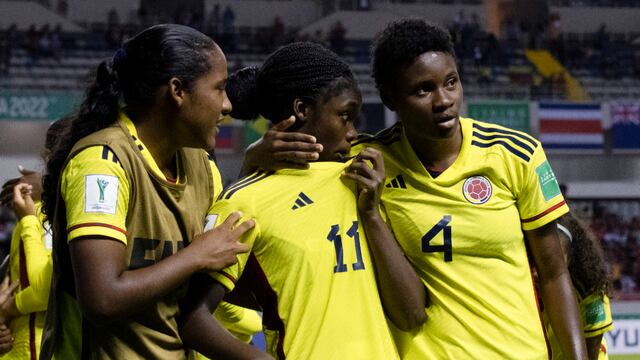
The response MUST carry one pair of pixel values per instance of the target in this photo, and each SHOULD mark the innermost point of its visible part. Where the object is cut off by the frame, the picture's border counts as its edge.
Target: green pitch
(625, 357)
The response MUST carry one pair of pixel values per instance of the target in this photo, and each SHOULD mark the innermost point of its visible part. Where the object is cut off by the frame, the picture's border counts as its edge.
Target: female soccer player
(589, 276)
(465, 200)
(127, 191)
(30, 264)
(320, 242)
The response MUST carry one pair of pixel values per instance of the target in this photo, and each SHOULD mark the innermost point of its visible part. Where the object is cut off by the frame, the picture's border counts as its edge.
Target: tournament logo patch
(547, 179)
(100, 194)
(477, 190)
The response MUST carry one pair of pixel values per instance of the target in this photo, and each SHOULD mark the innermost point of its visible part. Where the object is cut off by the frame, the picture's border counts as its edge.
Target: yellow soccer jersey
(31, 265)
(309, 267)
(463, 233)
(595, 312)
(107, 215)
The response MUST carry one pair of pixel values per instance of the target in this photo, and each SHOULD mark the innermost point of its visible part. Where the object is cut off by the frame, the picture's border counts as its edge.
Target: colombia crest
(477, 189)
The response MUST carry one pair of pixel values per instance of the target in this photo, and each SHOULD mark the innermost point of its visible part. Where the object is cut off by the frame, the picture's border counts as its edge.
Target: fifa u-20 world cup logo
(102, 184)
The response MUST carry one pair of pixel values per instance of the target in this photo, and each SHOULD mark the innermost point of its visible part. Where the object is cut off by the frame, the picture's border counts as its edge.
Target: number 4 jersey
(309, 265)
(463, 232)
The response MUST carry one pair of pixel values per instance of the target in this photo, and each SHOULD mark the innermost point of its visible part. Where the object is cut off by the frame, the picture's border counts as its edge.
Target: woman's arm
(200, 331)
(107, 290)
(557, 290)
(403, 294)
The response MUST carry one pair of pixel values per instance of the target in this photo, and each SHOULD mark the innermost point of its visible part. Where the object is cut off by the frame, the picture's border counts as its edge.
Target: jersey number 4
(441, 226)
(336, 239)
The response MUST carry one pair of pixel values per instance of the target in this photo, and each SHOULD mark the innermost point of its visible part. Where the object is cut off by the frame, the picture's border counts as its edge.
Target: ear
(301, 110)
(176, 91)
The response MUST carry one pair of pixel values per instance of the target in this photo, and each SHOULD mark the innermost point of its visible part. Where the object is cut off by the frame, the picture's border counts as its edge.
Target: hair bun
(242, 91)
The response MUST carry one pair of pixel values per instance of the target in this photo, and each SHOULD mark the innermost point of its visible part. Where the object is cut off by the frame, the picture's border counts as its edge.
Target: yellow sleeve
(596, 315)
(539, 200)
(217, 182)
(38, 264)
(243, 323)
(95, 190)
(219, 212)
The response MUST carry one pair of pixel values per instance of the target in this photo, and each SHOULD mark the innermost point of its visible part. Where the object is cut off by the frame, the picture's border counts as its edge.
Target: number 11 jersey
(309, 266)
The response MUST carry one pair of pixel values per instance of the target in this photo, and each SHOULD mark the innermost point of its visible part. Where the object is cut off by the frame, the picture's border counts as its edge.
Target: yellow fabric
(76, 179)
(595, 312)
(327, 305)
(30, 300)
(178, 214)
(243, 323)
(482, 297)
(96, 160)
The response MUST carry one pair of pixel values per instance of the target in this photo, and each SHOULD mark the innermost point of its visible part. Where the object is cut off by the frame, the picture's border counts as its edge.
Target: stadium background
(566, 71)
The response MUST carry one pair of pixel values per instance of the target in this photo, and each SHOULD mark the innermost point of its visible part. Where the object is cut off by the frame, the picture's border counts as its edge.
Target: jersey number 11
(336, 239)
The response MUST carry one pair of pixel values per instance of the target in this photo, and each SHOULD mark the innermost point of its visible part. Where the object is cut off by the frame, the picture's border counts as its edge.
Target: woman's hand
(217, 248)
(279, 149)
(7, 301)
(30, 177)
(370, 179)
(22, 202)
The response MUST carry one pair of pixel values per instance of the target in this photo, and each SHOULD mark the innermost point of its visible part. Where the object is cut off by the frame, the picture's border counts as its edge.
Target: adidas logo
(302, 201)
(397, 183)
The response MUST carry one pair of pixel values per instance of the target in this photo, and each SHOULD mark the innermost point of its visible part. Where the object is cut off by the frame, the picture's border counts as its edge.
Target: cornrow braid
(301, 70)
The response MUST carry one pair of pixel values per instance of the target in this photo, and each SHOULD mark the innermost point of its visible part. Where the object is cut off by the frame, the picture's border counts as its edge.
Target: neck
(153, 127)
(437, 154)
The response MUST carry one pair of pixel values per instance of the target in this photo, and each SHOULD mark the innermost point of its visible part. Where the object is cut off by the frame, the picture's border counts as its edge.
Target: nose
(442, 100)
(352, 133)
(226, 105)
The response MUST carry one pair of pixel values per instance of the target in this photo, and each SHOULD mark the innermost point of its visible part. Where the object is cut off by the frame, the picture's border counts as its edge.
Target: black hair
(56, 131)
(400, 43)
(144, 63)
(586, 260)
(300, 70)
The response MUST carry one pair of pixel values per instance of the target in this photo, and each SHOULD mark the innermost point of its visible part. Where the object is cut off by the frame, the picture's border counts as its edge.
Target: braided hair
(586, 260)
(300, 70)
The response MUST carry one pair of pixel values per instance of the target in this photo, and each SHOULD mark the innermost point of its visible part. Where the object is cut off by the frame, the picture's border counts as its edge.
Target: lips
(442, 119)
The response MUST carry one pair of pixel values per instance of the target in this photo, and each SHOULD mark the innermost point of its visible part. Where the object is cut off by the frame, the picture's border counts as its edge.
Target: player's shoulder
(384, 137)
(510, 143)
(96, 153)
(244, 188)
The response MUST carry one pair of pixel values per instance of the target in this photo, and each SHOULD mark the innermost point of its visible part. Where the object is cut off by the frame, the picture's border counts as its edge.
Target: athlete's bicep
(95, 190)
(97, 262)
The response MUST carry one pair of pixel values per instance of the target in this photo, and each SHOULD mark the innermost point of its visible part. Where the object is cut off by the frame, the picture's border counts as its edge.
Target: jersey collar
(146, 155)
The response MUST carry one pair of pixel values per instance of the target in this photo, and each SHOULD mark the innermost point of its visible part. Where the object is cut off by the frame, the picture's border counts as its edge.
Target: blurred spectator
(228, 20)
(277, 33)
(337, 39)
(214, 21)
(63, 8)
(7, 39)
(56, 42)
(113, 19)
(228, 29)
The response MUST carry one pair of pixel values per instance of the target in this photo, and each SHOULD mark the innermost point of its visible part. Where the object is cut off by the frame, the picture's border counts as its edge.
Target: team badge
(477, 190)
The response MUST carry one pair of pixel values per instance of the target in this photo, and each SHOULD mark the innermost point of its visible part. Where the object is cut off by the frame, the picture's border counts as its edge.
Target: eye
(424, 89)
(451, 83)
(345, 117)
